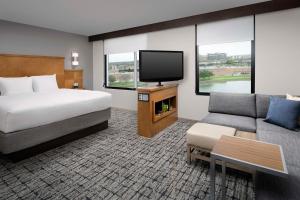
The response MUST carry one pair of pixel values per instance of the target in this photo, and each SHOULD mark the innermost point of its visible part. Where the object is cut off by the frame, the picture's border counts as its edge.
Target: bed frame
(40, 148)
(22, 144)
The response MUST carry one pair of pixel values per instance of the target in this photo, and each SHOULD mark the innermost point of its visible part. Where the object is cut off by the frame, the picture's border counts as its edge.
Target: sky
(231, 49)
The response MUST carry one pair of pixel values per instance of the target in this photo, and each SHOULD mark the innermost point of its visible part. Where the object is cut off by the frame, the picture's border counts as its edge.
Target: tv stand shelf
(157, 109)
(158, 117)
(164, 107)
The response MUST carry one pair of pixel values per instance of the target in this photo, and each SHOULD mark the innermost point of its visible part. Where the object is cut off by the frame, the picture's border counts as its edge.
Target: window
(122, 71)
(225, 67)
(122, 61)
(225, 60)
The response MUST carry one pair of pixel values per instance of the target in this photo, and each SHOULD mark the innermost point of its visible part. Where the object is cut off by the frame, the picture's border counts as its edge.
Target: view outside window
(121, 70)
(225, 67)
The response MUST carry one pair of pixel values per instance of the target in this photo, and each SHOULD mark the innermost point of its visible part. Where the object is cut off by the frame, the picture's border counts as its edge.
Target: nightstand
(73, 77)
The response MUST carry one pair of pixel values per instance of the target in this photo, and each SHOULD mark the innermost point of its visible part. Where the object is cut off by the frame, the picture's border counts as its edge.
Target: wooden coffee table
(252, 154)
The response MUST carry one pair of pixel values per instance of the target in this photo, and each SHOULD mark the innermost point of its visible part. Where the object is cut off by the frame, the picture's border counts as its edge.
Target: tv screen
(160, 65)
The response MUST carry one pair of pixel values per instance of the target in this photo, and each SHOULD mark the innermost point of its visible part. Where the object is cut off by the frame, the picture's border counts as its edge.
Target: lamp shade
(75, 63)
(75, 56)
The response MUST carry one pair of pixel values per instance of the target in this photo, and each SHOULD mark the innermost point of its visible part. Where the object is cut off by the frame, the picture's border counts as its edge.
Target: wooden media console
(157, 109)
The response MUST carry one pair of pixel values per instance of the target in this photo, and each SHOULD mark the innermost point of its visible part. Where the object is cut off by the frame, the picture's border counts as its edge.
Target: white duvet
(23, 111)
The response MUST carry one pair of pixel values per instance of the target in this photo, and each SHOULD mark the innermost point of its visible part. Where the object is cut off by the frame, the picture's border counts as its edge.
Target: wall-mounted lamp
(75, 61)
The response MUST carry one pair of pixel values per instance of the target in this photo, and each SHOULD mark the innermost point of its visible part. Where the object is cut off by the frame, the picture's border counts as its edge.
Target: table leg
(212, 177)
(254, 178)
(223, 179)
(188, 153)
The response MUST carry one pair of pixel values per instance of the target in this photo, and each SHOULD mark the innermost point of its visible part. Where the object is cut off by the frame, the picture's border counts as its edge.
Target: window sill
(203, 93)
(119, 88)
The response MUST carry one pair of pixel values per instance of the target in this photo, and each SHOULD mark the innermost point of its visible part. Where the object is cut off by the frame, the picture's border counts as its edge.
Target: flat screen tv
(159, 66)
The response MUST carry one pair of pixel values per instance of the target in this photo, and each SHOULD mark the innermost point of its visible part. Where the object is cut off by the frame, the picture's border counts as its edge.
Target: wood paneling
(25, 65)
(251, 151)
(148, 123)
(73, 76)
(253, 9)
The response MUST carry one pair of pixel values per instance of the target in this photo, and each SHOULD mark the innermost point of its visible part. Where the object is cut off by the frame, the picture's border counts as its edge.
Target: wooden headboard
(25, 65)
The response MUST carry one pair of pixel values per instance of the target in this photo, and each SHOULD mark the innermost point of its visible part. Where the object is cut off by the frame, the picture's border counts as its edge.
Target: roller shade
(226, 31)
(125, 44)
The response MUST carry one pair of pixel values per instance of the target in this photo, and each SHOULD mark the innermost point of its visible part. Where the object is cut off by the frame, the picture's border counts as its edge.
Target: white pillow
(293, 98)
(18, 85)
(44, 83)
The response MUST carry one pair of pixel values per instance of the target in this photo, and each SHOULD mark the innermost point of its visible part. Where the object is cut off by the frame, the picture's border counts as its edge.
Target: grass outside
(130, 84)
(127, 84)
(226, 78)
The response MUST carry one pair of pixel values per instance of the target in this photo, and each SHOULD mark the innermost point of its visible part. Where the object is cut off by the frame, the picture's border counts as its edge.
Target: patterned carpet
(118, 164)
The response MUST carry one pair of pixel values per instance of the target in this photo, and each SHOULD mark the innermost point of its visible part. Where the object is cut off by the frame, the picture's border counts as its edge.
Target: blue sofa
(246, 112)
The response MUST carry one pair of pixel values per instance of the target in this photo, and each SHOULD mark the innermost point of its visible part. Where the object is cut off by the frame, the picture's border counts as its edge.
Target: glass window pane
(225, 67)
(120, 70)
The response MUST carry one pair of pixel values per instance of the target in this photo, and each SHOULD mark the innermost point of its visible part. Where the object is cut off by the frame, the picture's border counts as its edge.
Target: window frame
(197, 82)
(119, 88)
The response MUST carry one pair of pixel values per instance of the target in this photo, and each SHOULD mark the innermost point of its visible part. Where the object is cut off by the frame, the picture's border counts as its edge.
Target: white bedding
(23, 111)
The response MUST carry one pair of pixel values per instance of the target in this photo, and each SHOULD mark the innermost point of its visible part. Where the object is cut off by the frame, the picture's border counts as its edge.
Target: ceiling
(89, 17)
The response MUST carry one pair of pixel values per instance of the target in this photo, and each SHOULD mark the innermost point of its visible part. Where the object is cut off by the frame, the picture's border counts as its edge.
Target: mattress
(24, 111)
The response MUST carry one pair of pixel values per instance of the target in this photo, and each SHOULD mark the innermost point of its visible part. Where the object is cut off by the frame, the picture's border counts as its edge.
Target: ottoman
(202, 137)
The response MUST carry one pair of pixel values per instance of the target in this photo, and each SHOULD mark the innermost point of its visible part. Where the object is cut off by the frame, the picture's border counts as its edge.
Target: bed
(34, 122)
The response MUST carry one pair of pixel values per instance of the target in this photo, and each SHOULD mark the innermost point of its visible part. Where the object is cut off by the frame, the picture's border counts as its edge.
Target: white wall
(278, 52)
(98, 71)
(277, 65)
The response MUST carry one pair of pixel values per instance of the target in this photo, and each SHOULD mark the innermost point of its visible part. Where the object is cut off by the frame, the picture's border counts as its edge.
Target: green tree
(206, 73)
(230, 62)
(111, 78)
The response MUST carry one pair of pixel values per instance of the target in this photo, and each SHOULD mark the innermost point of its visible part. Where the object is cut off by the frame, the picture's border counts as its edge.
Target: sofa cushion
(262, 104)
(293, 98)
(289, 140)
(234, 104)
(283, 112)
(269, 187)
(241, 123)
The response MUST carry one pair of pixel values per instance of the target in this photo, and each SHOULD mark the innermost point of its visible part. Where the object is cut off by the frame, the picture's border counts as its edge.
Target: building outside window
(120, 70)
(225, 67)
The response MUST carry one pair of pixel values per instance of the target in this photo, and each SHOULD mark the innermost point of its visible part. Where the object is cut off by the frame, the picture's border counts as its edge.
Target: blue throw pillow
(283, 112)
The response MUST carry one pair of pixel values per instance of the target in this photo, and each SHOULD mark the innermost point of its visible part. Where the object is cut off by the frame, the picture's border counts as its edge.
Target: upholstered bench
(201, 138)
